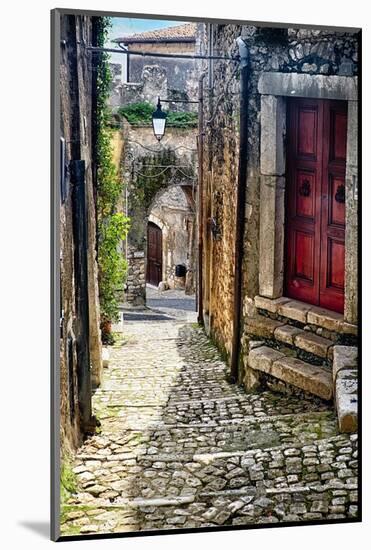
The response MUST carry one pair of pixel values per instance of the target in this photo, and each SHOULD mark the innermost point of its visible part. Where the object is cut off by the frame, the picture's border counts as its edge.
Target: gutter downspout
(200, 144)
(240, 208)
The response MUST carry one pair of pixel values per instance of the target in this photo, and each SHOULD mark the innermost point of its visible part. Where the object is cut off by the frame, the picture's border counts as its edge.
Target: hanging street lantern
(159, 121)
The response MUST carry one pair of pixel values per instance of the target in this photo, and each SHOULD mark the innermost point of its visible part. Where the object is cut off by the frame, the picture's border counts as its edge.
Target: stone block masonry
(136, 277)
(76, 96)
(283, 63)
(345, 375)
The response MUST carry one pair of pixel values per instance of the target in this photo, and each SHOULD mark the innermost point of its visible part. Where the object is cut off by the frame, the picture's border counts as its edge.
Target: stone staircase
(293, 343)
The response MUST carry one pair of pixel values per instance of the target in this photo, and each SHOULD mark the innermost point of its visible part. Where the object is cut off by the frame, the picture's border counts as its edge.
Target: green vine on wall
(112, 225)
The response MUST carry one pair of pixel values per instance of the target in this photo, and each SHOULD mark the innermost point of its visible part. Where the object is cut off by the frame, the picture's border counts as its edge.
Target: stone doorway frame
(274, 89)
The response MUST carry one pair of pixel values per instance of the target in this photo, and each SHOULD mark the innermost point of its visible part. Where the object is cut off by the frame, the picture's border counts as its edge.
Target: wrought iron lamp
(159, 121)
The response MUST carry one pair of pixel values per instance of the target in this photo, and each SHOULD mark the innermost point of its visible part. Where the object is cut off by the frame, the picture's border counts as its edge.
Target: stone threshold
(306, 314)
(208, 458)
(237, 397)
(246, 420)
(249, 491)
(175, 404)
(139, 502)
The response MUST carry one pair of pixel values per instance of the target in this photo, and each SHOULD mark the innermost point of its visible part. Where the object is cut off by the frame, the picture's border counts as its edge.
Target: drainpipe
(200, 317)
(240, 208)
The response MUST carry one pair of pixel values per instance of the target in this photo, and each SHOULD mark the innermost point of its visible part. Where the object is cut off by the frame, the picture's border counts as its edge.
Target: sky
(125, 26)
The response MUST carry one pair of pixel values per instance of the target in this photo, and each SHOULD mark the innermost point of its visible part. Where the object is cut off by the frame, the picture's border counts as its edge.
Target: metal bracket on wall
(215, 229)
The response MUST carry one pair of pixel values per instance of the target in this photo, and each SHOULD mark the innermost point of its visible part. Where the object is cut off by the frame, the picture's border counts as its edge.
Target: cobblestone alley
(182, 448)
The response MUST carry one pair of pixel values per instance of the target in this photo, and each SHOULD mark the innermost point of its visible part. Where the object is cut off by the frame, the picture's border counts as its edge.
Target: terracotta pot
(106, 327)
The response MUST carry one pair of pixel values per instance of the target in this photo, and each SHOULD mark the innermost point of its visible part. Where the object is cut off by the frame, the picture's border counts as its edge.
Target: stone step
(312, 379)
(305, 340)
(264, 327)
(306, 314)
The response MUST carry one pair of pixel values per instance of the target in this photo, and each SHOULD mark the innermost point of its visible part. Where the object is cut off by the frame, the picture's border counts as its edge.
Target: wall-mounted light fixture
(159, 121)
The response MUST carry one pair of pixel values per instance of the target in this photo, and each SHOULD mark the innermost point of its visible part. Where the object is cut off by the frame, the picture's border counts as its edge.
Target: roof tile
(185, 32)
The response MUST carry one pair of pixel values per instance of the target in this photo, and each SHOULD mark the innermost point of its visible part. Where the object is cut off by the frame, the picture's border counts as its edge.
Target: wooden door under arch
(154, 254)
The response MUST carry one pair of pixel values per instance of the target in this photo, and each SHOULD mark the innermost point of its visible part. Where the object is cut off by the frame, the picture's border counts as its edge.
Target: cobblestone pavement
(174, 303)
(182, 448)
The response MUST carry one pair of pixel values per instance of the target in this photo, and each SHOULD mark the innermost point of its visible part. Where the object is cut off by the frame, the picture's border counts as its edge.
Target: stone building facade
(294, 75)
(179, 73)
(80, 343)
(166, 202)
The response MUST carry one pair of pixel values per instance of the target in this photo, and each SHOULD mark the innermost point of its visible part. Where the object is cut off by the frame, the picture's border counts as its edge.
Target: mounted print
(205, 212)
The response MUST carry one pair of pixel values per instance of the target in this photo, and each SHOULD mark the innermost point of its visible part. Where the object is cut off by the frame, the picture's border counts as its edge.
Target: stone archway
(171, 212)
(150, 170)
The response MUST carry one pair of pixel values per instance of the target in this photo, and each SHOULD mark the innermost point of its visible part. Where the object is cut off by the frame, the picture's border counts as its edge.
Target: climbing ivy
(112, 225)
(112, 264)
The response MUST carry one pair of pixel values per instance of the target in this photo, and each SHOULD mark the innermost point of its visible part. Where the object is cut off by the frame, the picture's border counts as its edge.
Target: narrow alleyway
(182, 448)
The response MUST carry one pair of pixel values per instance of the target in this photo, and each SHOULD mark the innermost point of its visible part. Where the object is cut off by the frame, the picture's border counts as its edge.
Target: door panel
(315, 202)
(307, 131)
(154, 254)
(338, 131)
(304, 259)
(333, 207)
(336, 258)
(337, 200)
(303, 200)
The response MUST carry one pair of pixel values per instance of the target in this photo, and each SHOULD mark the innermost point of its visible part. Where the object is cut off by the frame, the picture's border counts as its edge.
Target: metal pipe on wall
(200, 144)
(240, 208)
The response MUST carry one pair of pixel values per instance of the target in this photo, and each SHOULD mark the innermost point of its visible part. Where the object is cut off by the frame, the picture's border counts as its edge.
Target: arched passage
(171, 212)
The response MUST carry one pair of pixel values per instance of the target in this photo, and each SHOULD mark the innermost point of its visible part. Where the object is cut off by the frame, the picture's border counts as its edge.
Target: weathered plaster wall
(76, 110)
(179, 71)
(155, 81)
(271, 50)
(150, 77)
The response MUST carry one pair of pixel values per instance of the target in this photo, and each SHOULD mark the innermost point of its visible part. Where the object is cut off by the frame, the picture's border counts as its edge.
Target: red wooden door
(154, 254)
(315, 223)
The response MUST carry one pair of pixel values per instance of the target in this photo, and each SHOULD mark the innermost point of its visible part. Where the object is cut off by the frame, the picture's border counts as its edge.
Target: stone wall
(294, 51)
(173, 160)
(76, 95)
(220, 184)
